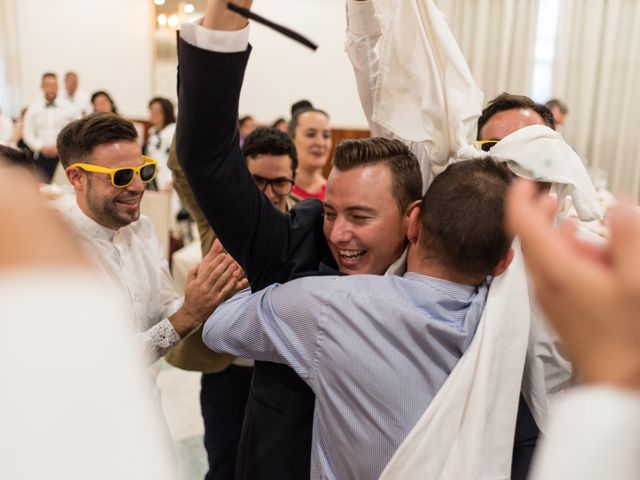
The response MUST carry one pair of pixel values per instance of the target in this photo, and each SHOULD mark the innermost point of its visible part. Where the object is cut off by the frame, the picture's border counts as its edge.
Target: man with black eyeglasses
(104, 163)
(271, 159)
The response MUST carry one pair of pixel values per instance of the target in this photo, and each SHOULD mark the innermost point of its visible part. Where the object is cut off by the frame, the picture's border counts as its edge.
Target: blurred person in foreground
(591, 296)
(11, 157)
(75, 402)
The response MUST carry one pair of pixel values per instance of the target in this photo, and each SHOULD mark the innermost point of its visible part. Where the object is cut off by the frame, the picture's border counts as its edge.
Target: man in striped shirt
(375, 350)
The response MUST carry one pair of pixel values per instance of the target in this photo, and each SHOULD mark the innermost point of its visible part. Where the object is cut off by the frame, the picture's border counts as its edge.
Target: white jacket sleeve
(363, 34)
(594, 434)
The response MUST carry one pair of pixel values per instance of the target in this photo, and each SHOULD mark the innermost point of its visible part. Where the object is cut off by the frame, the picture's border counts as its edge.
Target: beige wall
(110, 44)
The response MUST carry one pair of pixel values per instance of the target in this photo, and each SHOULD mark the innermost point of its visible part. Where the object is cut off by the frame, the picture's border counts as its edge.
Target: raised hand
(208, 285)
(590, 294)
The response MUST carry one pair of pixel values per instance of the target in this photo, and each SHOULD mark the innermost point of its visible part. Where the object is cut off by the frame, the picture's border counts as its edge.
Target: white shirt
(132, 260)
(43, 123)
(81, 101)
(158, 145)
(594, 433)
(75, 402)
(6, 129)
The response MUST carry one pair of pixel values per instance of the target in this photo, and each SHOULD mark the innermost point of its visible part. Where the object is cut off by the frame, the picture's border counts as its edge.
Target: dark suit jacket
(271, 247)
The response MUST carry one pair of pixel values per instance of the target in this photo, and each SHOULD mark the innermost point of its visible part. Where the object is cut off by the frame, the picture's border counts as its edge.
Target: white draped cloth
(539, 153)
(415, 85)
(467, 430)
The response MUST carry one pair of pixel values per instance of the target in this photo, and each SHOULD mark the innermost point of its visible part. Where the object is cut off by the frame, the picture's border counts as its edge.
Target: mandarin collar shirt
(131, 259)
(374, 349)
(43, 122)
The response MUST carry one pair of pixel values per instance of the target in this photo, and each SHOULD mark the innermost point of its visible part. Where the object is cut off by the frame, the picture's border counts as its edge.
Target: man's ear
(75, 176)
(504, 263)
(413, 227)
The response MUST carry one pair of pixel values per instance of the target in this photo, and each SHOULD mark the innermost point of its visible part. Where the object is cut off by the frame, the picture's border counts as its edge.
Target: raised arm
(211, 70)
(424, 94)
(363, 35)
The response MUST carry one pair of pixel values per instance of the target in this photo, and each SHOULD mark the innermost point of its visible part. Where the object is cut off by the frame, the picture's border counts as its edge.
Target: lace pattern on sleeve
(161, 338)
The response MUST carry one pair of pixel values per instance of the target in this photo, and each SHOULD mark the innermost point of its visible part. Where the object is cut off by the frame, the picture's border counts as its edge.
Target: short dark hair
(296, 115)
(559, 104)
(77, 140)
(48, 74)
(269, 141)
(16, 158)
(462, 217)
(406, 178)
(167, 109)
(104, 94)
(506, 101)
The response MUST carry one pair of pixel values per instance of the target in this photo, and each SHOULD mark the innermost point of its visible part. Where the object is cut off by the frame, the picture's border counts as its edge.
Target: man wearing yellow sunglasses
(104, 163)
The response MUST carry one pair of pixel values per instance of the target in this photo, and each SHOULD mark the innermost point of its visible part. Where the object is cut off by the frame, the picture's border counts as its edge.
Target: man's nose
(136, 185)
(268, 191)
(340, 232)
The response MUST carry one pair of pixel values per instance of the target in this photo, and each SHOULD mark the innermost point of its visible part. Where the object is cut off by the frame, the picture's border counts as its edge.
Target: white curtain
(497, 37)
(9, 66)
(597, 73)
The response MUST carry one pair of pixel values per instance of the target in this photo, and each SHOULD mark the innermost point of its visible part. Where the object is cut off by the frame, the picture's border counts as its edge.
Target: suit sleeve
(251, 229)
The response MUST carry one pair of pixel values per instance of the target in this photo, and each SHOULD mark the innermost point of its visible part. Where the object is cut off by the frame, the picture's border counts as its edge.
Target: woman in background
(163, 125)
(311, 133)
(102, 102)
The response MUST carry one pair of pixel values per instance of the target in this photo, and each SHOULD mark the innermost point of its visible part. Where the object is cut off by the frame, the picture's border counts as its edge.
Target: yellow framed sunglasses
(486, 145)
(122, 177)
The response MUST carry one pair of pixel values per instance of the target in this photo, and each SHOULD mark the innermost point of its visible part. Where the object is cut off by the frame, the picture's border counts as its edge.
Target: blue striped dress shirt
(375, 350)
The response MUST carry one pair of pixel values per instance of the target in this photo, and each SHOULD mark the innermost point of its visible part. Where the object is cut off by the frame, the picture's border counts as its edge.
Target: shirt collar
(91, 226)
(460, 291)
(399, 267)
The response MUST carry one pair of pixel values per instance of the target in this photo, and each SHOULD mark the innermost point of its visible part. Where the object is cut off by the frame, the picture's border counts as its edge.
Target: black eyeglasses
(280, 185)
(486, 145)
